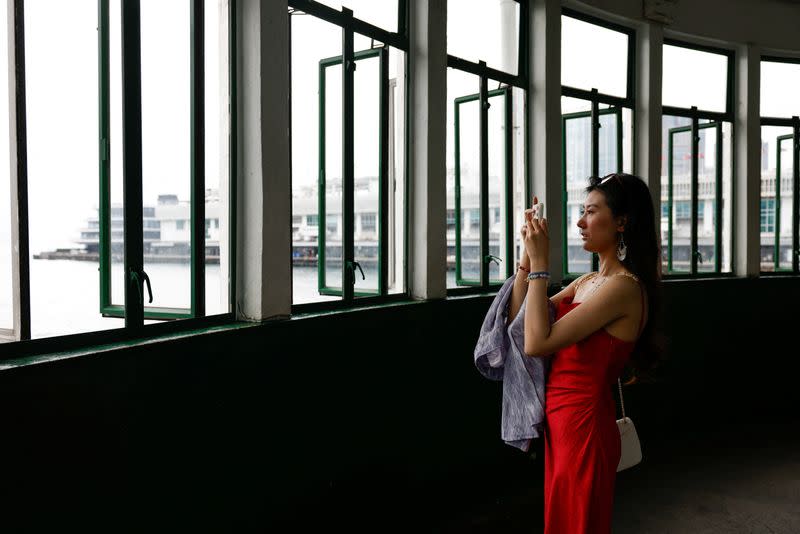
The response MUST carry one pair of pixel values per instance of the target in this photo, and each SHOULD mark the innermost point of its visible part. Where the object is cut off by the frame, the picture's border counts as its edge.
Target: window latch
(491, 257)
(352, 266)
(699, 256)
(138, 277)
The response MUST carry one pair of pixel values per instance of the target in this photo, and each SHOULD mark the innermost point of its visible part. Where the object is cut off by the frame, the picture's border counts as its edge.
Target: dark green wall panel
(371, 415)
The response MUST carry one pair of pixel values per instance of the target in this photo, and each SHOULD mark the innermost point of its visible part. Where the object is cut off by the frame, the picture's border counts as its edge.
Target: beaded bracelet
(538, 274)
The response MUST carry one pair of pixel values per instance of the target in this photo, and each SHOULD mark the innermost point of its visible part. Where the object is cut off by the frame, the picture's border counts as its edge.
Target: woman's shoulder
(628, 274)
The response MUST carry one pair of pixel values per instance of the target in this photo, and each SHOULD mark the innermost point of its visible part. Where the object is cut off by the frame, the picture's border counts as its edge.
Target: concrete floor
(730, 480)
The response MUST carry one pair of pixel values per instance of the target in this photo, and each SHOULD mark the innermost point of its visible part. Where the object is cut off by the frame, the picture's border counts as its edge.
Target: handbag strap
(619, 382)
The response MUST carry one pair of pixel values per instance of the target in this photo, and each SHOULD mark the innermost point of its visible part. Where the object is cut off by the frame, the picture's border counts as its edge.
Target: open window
(597, 102)
(697, 160)
(579, 159)
(348, 152)
(183, 192)
(470, 206)
(779, 154)
(690, 164)
(371, 132)
(780, 166)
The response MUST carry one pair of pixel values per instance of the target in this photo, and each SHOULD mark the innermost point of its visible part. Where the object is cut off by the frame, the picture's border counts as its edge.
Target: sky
(62, 110)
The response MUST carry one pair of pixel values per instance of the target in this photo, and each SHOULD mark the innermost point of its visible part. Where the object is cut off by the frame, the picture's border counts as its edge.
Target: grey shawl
(499, 355)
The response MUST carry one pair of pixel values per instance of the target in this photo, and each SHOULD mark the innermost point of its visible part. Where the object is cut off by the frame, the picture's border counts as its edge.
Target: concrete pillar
(427, 247)
(747, 152)
(264, 186)
(544, 118)
(647, 141)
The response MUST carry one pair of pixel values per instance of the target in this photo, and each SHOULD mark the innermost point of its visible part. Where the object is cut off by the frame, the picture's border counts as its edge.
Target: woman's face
(597, 226)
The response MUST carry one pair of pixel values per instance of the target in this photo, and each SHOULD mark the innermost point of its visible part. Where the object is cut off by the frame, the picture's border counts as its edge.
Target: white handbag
(631, 449)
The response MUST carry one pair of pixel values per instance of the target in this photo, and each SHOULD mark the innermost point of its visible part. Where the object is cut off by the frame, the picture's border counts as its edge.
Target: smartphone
(538, 210)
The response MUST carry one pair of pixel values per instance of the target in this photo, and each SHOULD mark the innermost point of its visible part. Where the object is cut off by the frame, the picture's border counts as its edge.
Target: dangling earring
(622, 250)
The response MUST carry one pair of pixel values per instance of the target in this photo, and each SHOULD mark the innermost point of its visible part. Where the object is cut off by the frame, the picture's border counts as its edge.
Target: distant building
(166, 229)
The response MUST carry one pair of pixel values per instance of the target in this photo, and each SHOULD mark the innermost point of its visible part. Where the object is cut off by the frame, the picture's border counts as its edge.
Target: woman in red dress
(604, 323)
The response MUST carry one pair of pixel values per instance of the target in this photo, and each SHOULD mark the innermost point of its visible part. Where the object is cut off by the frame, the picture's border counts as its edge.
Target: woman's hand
(536, 239)
(525, 260)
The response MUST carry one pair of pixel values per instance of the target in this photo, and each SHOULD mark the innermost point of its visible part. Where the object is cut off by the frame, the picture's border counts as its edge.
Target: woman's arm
(568, 291)
(610, 302)
(519, 289)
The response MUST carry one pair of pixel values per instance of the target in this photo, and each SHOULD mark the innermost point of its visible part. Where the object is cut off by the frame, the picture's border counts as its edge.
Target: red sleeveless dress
(582, 444)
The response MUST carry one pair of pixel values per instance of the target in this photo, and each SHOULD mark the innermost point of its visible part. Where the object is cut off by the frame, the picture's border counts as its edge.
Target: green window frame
(382, 40)
(349, 264)
(715, 120)
(615, 105)
(789, 139)
(594, 116)
(134, 309)
(507, 82)
(695, 255)
(503, 93)
(794, 142)
(134, 229)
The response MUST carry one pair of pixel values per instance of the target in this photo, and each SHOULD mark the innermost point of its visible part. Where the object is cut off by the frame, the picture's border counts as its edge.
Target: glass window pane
(312, 41)
(694, 78)
(518, 151)
(608, 149)
(166, 151)
(627, 140)
(6, 272)
(217, 156)
(484, 30)
(776, 182)
(779, 85)
(383, 14)
(498, 179)
(466, 163)
(577, 155)
(775, 146)
(116, 212)
(707, 226)
(593, 57)
(676, 173)
(726, 222)
(396, 219)
(331, 165)
(366, 170)
(784, 206)
(63, 185)
(468, 186)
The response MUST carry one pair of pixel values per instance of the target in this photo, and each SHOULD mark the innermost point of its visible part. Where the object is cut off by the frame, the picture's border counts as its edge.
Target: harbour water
(65, 294)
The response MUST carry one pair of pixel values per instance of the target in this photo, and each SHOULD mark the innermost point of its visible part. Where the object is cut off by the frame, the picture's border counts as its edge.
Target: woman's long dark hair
(628, 195)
